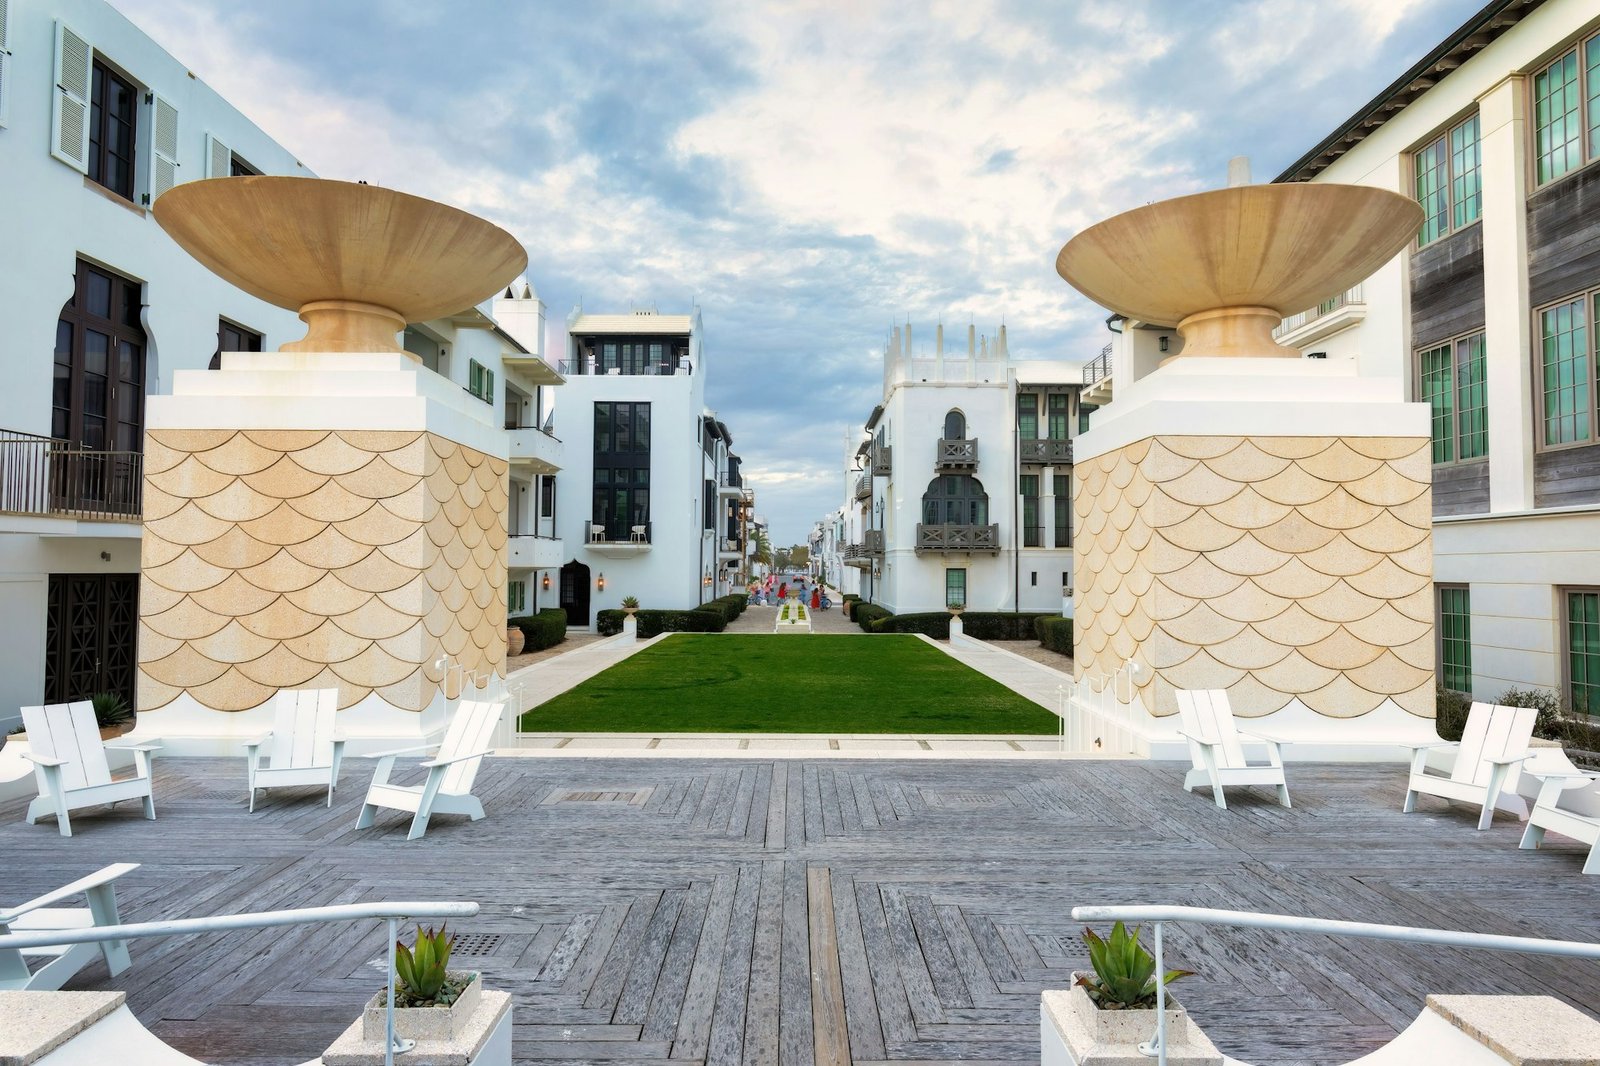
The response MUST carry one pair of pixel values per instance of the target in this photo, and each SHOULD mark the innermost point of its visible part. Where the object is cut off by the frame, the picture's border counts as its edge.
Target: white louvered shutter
(5, 63)
(163, 148)
(219, 157)
(69, 117)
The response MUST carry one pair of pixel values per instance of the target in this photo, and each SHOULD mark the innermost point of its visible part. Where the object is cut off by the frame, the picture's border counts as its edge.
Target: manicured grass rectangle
(818, 683)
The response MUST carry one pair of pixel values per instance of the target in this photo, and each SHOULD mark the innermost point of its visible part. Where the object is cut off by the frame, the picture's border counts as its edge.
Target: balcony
(535, 450)
(532, 368)
(728, 551)
(956, 454)
(1045, 452)
(1327, 318)
(958, 538)
(527, 551)
(623, 540)
(882, 461)
(856, 555)
(872, 540)
(864, 487)
(665, 368)
(52, 478)
(1097, 379)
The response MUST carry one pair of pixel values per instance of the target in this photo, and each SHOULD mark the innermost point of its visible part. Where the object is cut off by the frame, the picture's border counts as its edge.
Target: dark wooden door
(575, 593)
(91, 636)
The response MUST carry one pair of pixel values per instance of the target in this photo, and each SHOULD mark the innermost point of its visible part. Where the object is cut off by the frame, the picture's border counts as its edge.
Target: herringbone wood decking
(795, 912)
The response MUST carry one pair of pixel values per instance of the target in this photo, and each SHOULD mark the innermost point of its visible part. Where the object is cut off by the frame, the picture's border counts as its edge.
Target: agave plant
(1124, 972)
(110, 709)
(421, 968)
(630, 602)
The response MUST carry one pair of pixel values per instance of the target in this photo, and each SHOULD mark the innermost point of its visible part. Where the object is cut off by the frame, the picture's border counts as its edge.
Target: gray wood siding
(1564, 237)
(1568, 477)
(1447, 288)
(1461, 489)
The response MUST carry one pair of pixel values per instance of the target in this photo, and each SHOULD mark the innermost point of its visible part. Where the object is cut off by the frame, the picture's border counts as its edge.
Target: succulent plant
(110, 709)
(630, 602)
(1124, 972)
(421, 968)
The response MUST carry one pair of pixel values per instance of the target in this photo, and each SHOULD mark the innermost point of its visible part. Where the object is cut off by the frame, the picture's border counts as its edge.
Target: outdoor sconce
(1163, 344)
(601, 582)
(547, 580)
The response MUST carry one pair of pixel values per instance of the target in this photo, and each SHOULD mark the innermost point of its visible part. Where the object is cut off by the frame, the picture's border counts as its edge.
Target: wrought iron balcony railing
(51, 477)
(1098, 367)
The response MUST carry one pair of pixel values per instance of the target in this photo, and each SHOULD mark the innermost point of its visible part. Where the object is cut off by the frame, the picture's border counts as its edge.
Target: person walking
(783, 591)
(816, 599)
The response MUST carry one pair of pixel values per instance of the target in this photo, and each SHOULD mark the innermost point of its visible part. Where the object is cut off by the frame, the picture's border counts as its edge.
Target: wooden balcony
(1045, 452)
(864, 486)
(949, 537)
(957, 454)
(882, 461)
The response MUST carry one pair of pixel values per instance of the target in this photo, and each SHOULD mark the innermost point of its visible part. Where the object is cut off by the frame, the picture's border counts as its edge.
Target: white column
(1047, 506)
(1503, 133)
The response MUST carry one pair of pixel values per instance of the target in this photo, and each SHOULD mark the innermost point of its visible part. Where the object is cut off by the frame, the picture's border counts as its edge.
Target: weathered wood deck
(791, 912)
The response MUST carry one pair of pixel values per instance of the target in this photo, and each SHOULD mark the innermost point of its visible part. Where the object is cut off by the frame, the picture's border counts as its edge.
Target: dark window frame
(621, 479)
(1565, 642)
(120, 326)
(100, 124)
(1444, 671)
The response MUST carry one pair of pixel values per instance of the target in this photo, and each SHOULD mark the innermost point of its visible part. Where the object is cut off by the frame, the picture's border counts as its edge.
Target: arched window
(955, 426)
(955, 499)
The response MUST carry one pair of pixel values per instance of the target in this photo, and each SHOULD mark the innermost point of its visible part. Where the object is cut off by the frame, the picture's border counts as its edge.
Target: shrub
(1547, 704)
(1450, 711)
(847, 604)
(998, 625)
(868, 613)
(1054, 633)
(735, 603)
(653, 623)
(543, 630)
(935, 624)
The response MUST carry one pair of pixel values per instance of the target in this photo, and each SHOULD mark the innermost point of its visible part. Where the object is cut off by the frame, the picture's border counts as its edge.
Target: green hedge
(847, 604)
(865, 614)
(935, 624)
(654, 623)
(543, 630)
(1054, 633)
(999, 625)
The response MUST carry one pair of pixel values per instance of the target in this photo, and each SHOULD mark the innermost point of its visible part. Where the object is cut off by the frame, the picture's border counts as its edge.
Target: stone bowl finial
(1225, 267)
(356, 261)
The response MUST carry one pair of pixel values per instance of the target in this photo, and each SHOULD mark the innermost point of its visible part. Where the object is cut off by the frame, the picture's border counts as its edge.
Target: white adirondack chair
(1207, 723)
(306, 749)
(1570, 805)
(38, 916)
(1489, 759)
(451, 772)
(69, 763)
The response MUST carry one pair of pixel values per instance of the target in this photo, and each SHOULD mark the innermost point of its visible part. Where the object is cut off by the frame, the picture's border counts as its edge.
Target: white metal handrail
(1156, 1047)
(391, 913)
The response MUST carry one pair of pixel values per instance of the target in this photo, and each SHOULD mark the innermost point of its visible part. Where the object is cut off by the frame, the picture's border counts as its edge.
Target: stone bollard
(957, 632)
(630, 629)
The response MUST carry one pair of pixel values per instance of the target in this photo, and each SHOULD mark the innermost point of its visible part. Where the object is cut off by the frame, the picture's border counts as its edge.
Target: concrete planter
(425, 1023)
(1074, 1032)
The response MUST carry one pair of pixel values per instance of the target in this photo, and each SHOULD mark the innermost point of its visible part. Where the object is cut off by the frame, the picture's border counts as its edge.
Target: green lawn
(821, 683)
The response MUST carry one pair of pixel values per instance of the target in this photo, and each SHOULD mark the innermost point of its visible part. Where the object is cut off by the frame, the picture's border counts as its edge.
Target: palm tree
(763, 548)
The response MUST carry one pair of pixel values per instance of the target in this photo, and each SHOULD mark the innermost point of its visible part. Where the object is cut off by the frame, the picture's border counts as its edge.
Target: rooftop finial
(1238, 171)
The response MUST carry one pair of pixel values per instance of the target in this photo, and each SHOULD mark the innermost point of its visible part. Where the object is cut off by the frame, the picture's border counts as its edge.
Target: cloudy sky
(809, 173)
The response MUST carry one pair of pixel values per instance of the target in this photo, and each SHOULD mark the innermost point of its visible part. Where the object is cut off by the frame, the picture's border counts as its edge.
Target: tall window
(1566, 112)
(955, 499)
(1567, 370)
(1063, 493)
(1447, 181)
(955, 426)
(1455, 638)
(480, 381)
(98, 395)
(233, 338)
(1084, 411)
(621, 468)
(632, 356)
(1583, 650)
(1027, 416)
(113, 120)
(1032, 532)
(1056, 428)
(955, 587)
(1451, 382)
(516, 598)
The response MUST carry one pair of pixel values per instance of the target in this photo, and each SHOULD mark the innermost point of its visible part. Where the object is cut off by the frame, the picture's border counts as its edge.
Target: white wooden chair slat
(1217, 751)
(69, 734)
(448, 788)
(1487, 767)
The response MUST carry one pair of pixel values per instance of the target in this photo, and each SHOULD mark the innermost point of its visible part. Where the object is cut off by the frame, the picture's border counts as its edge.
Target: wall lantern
(601, 582)
(1163, 344)
(547, 580)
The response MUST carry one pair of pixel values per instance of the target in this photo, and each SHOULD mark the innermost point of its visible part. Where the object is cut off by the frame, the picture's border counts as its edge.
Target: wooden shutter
(69, 115)
(5, 62)
(163, 173)
(219, 157)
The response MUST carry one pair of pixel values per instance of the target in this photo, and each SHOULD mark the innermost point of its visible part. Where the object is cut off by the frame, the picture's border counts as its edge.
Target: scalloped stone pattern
(317, 559)
(1278, 568)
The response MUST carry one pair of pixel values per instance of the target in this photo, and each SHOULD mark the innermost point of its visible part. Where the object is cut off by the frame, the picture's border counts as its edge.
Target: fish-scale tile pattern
(1279, 568)
(354, 559)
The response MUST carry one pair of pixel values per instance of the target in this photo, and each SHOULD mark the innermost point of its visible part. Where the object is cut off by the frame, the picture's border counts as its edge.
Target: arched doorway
(575, 593)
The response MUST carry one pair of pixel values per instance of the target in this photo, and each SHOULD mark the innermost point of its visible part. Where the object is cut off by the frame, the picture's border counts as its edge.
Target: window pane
(1084, 411)
(1437, 393)
(1472, 398)
(1057, 429)
(1583, 650)
(1564, 347)
(955, 588)
(1028, 416)
(1592, 80)
(1465, 198)
(1557, 132)
(1433, 172)
(99, 294)
(1455, 639)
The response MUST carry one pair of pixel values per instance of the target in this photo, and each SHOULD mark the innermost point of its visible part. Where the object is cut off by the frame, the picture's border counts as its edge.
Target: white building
(1495, 308)
(96, 120)
(648, 503)
(961, 491)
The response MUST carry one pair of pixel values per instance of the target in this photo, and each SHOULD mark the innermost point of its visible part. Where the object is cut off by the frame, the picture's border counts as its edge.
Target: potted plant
(432, 1002)
(1110, 1011)
(112, 714)
(630, 605)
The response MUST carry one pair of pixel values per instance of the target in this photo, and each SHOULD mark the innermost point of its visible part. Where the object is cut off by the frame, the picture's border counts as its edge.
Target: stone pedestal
(957, 630)
(1264, 527)
(630, 629)
(318, 521)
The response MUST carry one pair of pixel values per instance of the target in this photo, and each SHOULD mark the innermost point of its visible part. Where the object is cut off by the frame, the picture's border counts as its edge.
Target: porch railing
(48, 476)
(948, 537)
(1098, 367)
(1046, 452)
(957, 452)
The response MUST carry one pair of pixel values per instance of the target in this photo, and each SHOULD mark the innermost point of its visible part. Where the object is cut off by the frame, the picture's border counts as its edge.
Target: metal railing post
(1156, 1046)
